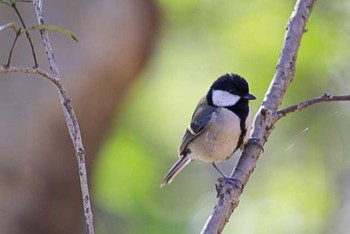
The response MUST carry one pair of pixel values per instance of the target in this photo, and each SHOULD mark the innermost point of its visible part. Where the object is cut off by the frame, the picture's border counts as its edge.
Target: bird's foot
(256, 141)
(222, 181)
(230, 180)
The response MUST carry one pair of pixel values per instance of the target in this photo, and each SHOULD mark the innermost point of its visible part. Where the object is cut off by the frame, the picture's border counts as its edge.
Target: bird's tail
(174, 170)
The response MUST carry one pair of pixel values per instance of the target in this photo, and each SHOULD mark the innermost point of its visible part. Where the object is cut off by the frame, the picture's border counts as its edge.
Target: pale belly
(218, 140)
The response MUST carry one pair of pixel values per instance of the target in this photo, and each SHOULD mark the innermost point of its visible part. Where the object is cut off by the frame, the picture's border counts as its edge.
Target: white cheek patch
(223, 98)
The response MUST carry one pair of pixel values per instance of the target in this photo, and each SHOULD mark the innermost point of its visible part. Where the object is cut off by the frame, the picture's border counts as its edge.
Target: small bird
(220, 125)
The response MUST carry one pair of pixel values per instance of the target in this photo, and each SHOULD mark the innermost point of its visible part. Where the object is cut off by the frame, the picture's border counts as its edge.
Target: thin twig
(18, 32)
(71, 121)
(229, 192)
(13, 5)
(29, 70)
(302, 105)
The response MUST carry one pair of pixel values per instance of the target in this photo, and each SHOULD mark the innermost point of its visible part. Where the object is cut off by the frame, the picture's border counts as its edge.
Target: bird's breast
(219, 139)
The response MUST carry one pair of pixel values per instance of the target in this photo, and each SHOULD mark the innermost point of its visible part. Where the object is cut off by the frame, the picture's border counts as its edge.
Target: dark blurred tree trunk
(40, 191)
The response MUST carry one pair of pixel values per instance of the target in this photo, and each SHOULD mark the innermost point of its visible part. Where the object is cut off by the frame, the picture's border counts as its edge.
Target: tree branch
(302, 105)
(71, 121)
(73, 130)
(18, 33)
(229, 193)
(29, 70)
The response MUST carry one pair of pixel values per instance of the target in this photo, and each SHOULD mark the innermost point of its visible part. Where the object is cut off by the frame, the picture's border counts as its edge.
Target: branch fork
(265, 119)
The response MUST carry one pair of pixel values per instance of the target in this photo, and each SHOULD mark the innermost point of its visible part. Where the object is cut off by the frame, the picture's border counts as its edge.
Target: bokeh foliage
(296, 187)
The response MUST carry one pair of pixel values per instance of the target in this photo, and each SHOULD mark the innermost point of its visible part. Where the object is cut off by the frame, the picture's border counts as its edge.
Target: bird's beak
(249, 97)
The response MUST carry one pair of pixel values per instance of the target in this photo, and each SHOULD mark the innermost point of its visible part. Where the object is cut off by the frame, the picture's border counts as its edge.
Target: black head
(228, 90)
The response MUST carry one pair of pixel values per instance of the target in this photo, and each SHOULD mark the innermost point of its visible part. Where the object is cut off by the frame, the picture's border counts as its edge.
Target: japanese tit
(220, 125)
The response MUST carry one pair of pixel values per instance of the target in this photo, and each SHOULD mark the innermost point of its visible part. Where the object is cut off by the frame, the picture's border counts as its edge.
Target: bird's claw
(236, 184)
(229, 180)
(256, 141)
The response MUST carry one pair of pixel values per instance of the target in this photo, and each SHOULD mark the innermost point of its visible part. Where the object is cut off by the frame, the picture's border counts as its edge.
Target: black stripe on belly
(241, 109)
(243, 133)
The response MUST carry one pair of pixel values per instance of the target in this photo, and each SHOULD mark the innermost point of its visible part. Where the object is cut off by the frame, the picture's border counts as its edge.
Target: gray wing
(200, 120)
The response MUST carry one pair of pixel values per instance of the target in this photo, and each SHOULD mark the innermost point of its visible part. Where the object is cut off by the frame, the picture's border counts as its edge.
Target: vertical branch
(71, 120)
(13, 5)
(229, 193)
(18, 32)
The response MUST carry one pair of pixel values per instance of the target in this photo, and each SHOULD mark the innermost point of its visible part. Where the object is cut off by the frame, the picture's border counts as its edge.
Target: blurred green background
(299, 183)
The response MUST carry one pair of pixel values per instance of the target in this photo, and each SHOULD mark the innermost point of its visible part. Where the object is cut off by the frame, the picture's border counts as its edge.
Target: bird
(220, 125)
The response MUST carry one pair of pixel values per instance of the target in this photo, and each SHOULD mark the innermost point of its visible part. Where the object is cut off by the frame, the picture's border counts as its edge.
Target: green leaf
(6, 2)
(11, 2)
(11, 25)
(54, 28)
